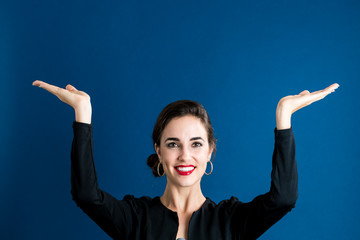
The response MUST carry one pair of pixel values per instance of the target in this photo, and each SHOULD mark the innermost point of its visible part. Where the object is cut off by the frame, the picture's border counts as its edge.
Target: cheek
(168, 157)
(203, 154)
(202, 159)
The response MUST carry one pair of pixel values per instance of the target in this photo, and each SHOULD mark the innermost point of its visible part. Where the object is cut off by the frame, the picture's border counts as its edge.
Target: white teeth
(185, 169)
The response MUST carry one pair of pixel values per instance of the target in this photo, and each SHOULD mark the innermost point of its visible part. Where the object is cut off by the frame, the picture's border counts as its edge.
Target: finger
(37, 83)
(61, 93)
(51, 88)
(332, 87)
(44, 85)
(316, 96)
(320, 94)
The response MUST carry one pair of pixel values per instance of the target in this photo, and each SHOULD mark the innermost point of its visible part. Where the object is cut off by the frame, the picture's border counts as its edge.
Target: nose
(185, 154)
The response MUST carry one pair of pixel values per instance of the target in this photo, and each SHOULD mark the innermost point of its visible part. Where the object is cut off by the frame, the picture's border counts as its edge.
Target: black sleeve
(112, 215)
(254, 218)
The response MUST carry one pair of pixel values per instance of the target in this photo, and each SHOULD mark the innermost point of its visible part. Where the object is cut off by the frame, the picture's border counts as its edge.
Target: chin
(186, 181)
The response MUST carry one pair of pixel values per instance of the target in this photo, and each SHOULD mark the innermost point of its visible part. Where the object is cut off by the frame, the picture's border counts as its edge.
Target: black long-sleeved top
(147, 218)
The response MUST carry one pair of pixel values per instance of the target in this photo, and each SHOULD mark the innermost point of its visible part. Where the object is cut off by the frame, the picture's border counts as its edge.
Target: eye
(172, 145)
(197, 144)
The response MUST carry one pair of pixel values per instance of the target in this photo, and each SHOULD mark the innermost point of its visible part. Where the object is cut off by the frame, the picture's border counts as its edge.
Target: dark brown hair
(173, 110)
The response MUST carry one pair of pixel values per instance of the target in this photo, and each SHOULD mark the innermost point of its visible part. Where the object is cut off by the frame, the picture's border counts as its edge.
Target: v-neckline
(175, 214)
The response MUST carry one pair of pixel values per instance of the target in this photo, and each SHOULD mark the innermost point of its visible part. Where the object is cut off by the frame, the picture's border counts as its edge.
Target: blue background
(238, 58)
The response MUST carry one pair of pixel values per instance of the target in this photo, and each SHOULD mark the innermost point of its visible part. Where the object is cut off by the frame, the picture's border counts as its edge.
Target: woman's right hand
(78, 100)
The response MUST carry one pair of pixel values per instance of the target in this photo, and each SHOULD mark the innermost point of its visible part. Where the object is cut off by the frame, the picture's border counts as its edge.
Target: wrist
(283, 118)
(83, 114)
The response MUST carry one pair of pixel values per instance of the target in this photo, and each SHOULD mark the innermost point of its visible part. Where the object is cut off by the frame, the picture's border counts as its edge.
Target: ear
(157, 149)
(211, 150)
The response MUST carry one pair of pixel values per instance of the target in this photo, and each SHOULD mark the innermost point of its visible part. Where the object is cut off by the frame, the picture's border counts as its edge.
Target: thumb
(70, 88)
(304, 92)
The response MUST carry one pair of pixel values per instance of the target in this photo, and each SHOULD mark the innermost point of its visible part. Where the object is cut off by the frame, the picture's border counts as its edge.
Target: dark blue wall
(134, 57)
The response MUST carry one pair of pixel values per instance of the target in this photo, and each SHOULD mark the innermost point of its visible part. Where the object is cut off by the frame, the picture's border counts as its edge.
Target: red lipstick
(185, 170)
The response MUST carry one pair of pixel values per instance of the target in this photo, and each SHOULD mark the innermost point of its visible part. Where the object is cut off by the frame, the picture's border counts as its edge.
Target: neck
(183, 199)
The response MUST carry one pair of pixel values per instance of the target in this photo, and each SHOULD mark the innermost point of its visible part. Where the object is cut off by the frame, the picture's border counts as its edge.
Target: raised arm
(265, 210)
(112, 215)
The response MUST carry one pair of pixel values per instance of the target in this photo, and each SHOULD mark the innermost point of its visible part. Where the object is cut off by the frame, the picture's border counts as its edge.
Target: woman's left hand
(290, 104)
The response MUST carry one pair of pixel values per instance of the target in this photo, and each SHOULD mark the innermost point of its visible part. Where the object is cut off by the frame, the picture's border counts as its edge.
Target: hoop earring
(158, 170)
(212, 167)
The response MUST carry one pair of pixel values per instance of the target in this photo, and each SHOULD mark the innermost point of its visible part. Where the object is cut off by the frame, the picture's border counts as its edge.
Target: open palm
(69, 95)
(292, 103)
(79, 100)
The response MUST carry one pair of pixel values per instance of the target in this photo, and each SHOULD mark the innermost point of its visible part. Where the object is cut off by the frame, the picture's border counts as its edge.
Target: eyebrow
(178, 140)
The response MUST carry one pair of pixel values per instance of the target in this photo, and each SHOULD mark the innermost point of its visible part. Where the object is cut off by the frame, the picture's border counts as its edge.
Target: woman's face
(184, 151)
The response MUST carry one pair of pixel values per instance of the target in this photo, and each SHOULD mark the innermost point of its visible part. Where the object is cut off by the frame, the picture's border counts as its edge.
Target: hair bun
(152, 162)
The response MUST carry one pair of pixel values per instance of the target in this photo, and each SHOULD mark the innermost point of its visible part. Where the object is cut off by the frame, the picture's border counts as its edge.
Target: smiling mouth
(185, 170)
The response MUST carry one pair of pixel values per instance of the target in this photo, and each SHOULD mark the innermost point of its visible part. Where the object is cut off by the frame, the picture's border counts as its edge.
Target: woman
(184, 143)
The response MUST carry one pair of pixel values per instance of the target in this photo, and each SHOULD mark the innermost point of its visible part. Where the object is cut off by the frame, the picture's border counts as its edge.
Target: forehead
(185, 127)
